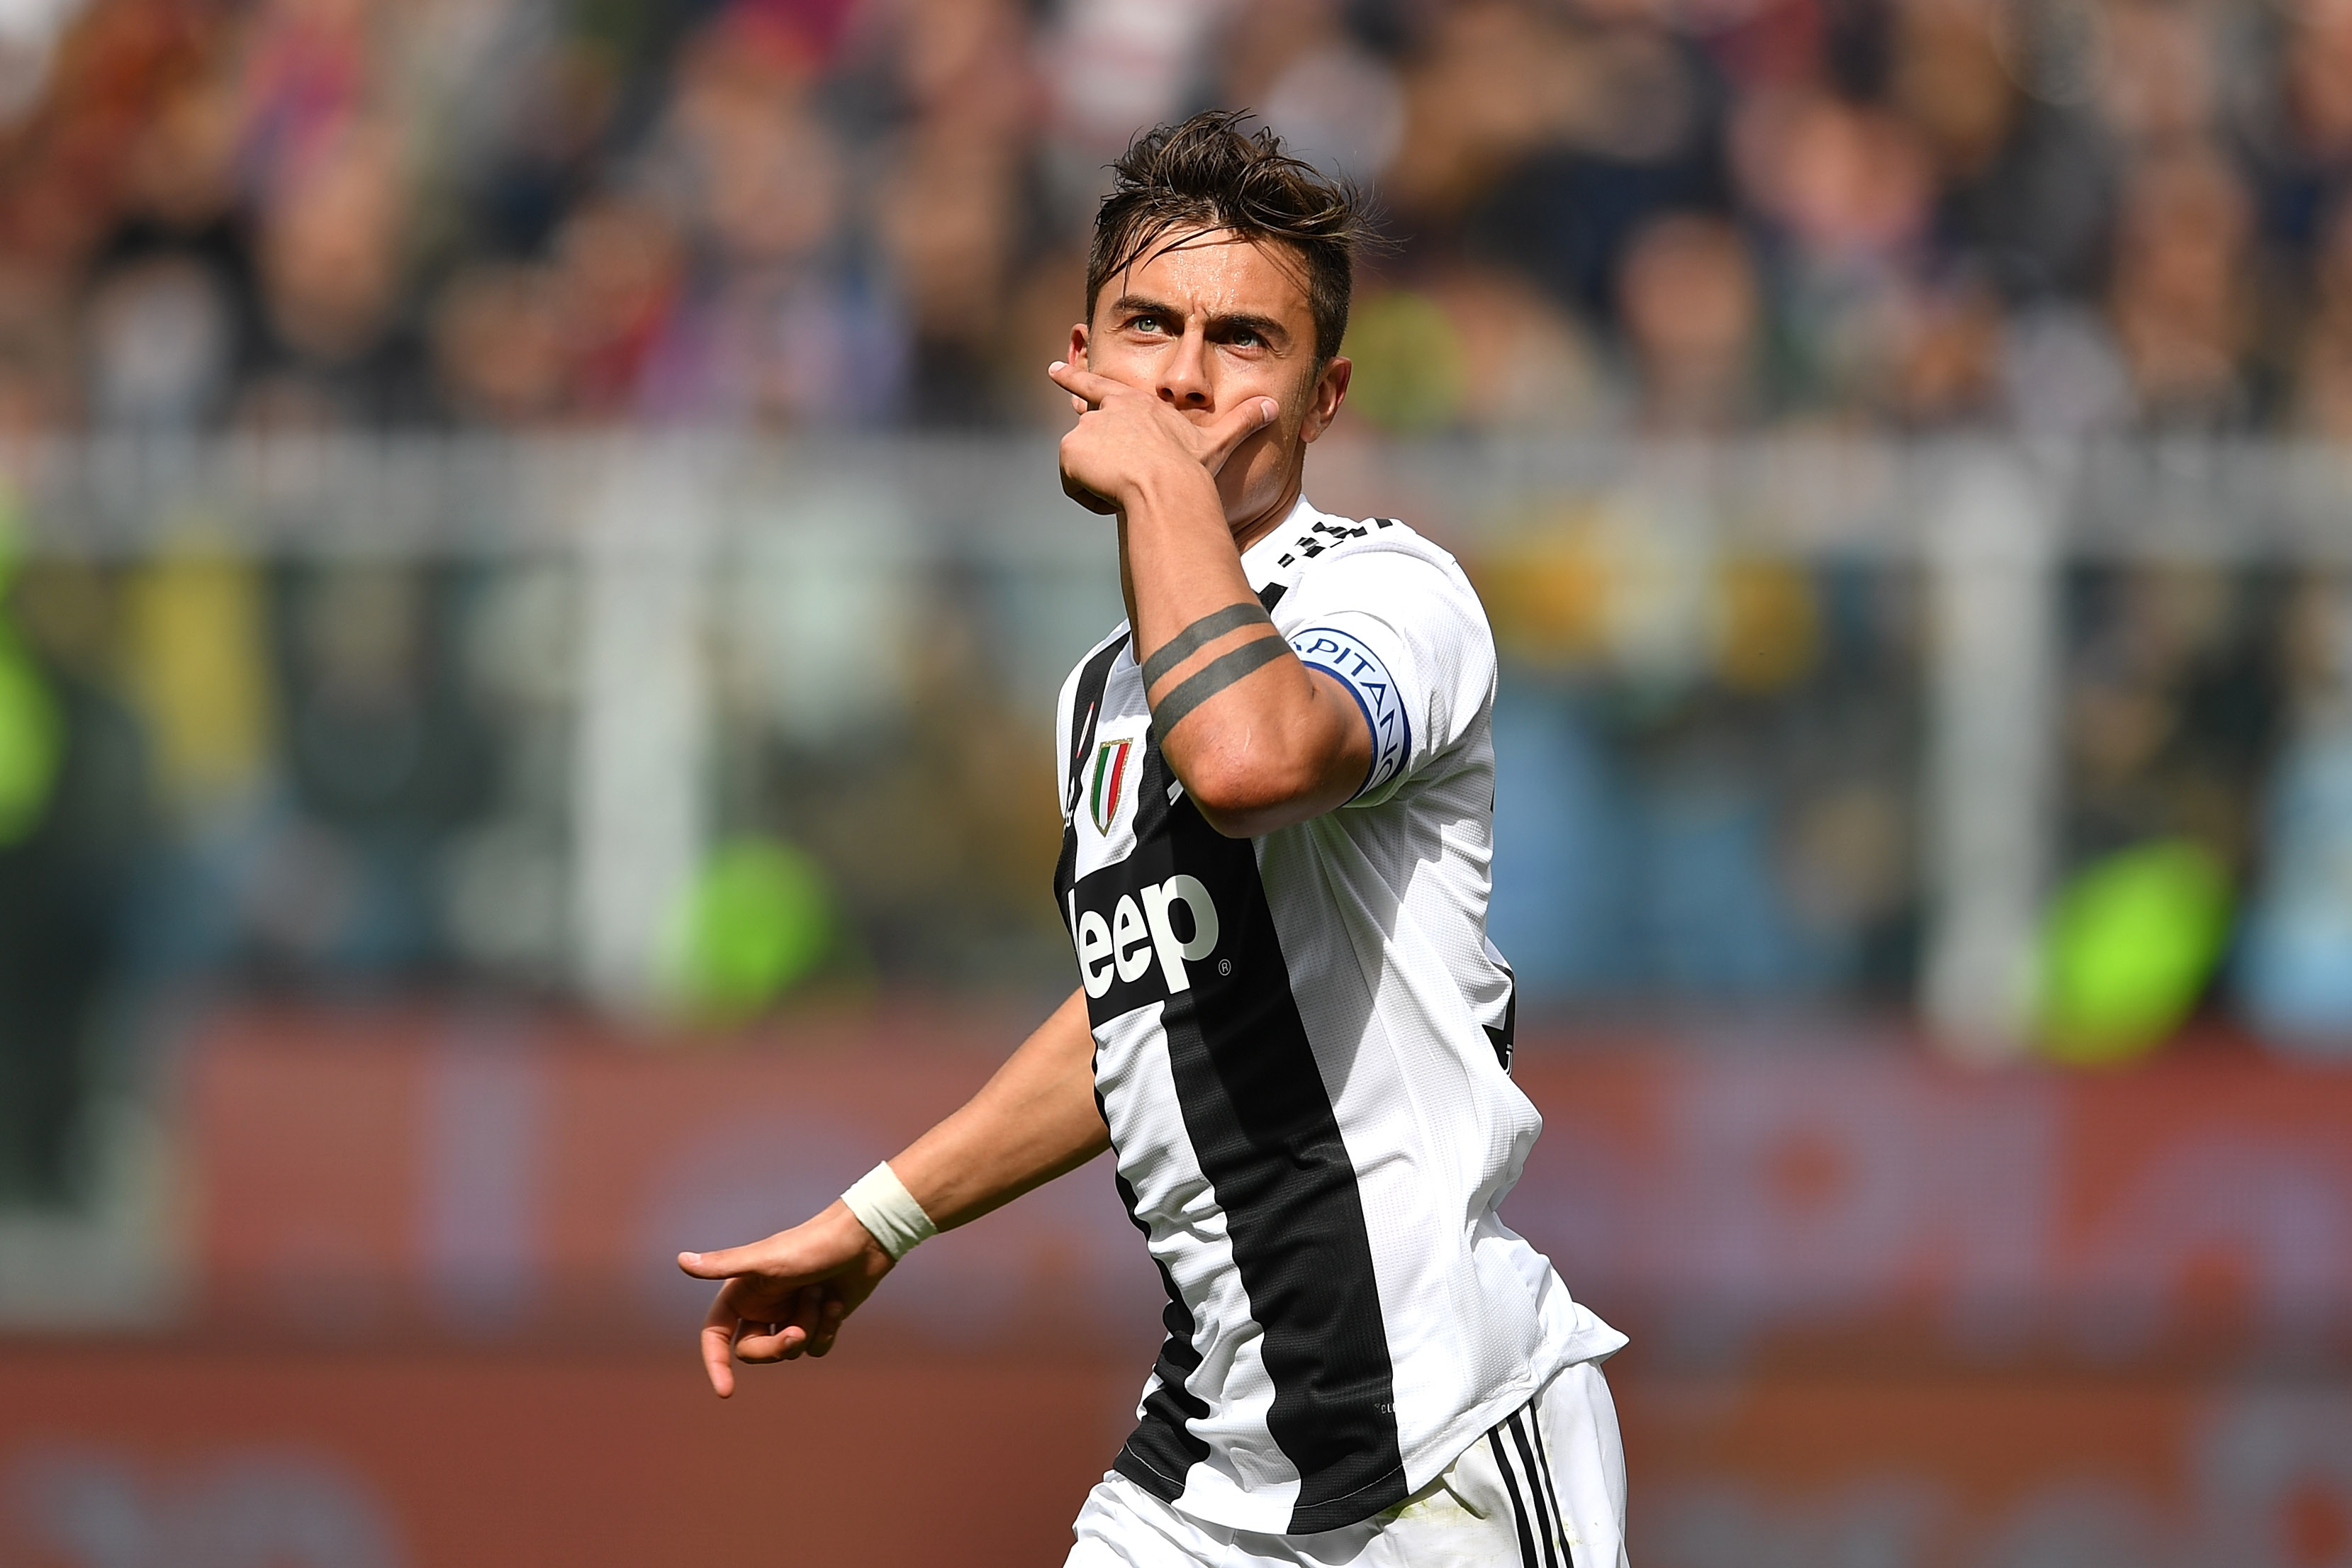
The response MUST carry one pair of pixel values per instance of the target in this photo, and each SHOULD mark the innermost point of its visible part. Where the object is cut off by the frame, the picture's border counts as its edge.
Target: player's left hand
(785, 1297)
(1123, 432)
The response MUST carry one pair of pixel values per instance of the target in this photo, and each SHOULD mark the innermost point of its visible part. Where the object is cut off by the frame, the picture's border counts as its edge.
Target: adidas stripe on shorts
(1545, 1489)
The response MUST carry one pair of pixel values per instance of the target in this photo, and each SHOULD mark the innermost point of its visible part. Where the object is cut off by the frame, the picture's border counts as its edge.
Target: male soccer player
(1277, 785)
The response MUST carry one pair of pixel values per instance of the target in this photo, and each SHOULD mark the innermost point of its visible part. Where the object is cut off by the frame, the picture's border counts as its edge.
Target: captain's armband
(1349, 660)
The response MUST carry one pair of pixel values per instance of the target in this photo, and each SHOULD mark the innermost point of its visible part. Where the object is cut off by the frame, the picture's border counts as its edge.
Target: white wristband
(886, 1208)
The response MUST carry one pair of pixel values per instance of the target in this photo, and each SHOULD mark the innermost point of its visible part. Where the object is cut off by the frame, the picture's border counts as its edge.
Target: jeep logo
(1138, 935)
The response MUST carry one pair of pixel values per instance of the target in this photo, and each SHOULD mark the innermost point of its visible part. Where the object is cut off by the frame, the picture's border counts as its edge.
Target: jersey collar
(1271, 560)
(1262, 563)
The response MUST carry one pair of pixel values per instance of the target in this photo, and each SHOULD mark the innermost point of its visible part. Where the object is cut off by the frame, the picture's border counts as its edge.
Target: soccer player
(1278, 786)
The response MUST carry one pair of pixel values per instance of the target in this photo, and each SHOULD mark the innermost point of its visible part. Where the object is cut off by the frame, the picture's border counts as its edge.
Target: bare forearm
(1258, 740)
(1032, 1121)
(1179, 557)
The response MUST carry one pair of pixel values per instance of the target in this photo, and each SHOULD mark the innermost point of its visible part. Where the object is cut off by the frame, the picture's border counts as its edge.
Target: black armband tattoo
(1198, 636)
(1215, 676)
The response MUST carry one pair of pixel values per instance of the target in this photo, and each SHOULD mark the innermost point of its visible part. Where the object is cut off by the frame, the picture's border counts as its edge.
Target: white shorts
(1544, 1489)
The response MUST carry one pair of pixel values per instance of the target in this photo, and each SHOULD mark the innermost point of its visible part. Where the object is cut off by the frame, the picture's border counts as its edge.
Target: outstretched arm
(1036, 1120)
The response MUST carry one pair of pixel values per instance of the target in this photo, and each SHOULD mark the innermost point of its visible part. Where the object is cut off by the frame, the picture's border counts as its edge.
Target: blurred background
(534, 584)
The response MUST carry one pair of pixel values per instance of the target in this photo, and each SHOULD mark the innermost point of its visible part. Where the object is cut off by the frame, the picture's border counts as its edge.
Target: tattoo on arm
(1198, 636)
(1214, 678)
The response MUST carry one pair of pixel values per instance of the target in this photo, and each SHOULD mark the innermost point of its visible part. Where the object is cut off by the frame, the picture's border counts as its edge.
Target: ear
(1323, 399)
(1078, 345)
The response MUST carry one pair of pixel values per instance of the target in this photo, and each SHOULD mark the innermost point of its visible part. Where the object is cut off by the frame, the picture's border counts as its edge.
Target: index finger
(1083, 383)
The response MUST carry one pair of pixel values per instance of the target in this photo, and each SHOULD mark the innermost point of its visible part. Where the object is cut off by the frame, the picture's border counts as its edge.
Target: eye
(1145, 323)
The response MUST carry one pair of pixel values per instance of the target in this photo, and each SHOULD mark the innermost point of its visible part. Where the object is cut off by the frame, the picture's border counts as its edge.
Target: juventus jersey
(1302, 1050)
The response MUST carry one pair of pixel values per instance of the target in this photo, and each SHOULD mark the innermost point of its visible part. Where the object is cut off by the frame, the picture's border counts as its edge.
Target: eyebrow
(1263, 326)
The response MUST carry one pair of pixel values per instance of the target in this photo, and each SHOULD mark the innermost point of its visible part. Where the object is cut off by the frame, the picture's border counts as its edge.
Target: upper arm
(1394, 662)
(1405, 637)
(1291, 750)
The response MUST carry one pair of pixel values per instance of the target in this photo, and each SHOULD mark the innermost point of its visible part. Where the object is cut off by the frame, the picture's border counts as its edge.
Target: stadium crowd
(1657, 214)
(1608, 218)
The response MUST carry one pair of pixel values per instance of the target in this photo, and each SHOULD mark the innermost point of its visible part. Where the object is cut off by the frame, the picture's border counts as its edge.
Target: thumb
(1252, 415)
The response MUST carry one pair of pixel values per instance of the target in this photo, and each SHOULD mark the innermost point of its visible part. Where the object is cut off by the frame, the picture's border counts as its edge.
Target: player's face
(1204, 321)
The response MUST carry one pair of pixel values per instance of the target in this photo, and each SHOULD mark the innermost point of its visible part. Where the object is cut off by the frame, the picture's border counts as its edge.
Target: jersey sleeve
(1069, 724)
(1062, 704)
(1405, 635)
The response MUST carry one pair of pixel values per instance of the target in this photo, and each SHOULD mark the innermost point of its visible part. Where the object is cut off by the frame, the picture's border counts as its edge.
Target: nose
(1184, 373)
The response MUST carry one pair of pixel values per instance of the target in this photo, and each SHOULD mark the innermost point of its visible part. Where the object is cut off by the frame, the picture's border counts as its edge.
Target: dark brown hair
(1208, 173)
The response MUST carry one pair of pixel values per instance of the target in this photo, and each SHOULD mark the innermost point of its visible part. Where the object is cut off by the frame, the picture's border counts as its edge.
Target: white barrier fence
(688, 566)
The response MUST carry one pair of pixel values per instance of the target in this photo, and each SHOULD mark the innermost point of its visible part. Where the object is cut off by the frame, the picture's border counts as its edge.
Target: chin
(1262, 485)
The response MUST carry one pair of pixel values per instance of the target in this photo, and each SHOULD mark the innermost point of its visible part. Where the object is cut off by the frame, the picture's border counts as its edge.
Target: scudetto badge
(1110, 777)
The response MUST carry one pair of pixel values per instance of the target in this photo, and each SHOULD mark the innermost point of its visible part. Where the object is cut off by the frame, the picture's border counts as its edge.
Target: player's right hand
(1123, 431)
(785, 1297)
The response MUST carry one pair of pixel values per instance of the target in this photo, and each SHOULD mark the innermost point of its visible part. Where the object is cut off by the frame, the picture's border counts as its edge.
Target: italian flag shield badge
(1110, 777)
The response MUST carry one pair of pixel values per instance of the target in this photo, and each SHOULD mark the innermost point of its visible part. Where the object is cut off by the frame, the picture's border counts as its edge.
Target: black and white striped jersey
(1302, 1049)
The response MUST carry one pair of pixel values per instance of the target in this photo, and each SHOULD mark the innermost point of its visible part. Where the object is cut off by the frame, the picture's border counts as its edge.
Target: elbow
(1246, 797)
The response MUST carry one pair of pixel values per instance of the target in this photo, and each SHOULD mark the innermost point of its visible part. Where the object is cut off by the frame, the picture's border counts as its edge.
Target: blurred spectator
(1845, 190)
(742, 151)
(162, 344)
(2178, 298)
(2317, 85)
(2160, 90)
(1552, 137)
(333, 252)
(500, 344)
(1493, 81)
(947, 221)
(74, 830)
(38, 381)
(620, 273)
(2295, 963)
(1688, 300)
(1950, 355)
(2324, 374)
(2023, 166)
(385, 759)
(1107, 67)
(2172, 708)
(1341, 105)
